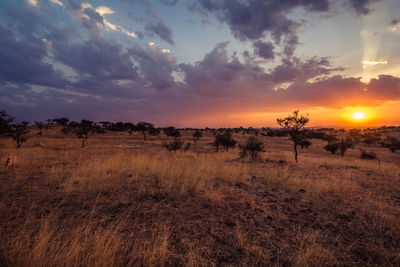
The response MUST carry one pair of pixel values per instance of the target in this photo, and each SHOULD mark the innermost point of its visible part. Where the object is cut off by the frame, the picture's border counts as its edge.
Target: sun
(358, 116)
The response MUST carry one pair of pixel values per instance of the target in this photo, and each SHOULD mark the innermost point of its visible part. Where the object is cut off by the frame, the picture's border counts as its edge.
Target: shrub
(368, 155)
(251, 148)
(332, 147)
(175, 145)
(224, 140)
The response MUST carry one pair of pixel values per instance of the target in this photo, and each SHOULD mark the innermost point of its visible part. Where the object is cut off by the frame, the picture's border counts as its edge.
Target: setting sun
(358, 116)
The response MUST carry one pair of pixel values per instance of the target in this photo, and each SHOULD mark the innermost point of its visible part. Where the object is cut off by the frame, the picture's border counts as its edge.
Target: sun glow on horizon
(358, 116)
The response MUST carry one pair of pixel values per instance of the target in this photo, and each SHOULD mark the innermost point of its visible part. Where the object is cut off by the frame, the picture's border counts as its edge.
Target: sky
(204, 63)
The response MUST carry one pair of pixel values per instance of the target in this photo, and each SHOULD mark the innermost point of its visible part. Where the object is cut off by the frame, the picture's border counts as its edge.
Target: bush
(224, 140)
(368, 155)
(332, 147)
(251, 148)
(175, 145)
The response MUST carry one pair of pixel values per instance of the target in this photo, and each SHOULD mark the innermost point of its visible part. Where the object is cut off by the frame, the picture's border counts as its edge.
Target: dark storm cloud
(264, 49)
(219, 74)
(361, 6)
(253, 19)
(98, 57)
(22, 60)
(295, 69)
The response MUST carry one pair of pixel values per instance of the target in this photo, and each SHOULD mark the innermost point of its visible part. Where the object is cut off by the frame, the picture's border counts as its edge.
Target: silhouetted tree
(252, 147)
(392, 143)
(40, 125)
(172, 132)
(143, 127)
(61, 121)
(48, 123)
(82, 129)
(294, 125)
(154, 131)
(5, 122)
(344, 145)
(196, 136)
(18, 132)
(332, 147)
(225, 140)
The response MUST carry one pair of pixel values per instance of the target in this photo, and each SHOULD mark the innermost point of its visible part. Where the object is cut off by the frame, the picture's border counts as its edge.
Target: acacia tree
(196, 136)
(172, 132)
(19, 132)
(40, 125)
(61, 121)
(143, 127)
(294, 124)
(82, 129)
(344, 145)
(224, 140)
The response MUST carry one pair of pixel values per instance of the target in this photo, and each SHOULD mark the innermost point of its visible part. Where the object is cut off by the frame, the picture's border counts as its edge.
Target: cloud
(169, 2)
(158, 27)
(369, 63)
(395, 21)
(97, 57)
(103, 10)
(264, 49)
(33, 2)
(57, 2)
(156, 65)
(361, 6)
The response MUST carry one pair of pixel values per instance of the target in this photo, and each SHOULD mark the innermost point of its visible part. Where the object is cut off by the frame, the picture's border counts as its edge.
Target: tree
(40, 125)
(225, 139)
(392, 143)
(61, 121)
(18, 132)
(196, 136)
(172, 132)
(344, 145)
(5, 122)
(82, 129)
(294, 125)
(251, 148)
(154, 131)
(143, 127)
(332, 147)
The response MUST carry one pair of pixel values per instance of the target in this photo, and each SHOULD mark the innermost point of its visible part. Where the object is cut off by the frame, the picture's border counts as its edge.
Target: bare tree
(294, 125)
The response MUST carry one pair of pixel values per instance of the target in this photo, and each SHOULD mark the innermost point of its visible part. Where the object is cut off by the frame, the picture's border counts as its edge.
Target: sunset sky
(215, 63)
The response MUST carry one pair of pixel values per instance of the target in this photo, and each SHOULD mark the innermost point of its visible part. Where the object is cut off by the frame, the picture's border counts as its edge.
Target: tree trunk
(144, 135)
(295, 151)
(83, 142)
(18, 141)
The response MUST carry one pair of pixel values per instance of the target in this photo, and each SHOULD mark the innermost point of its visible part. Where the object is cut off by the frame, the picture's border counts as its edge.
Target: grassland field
(123, 201)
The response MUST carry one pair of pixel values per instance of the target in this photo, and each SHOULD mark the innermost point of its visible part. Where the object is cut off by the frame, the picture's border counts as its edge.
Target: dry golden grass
(125, 202)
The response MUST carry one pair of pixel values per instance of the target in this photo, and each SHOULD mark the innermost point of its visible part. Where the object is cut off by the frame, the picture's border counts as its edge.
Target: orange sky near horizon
(387, 114)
